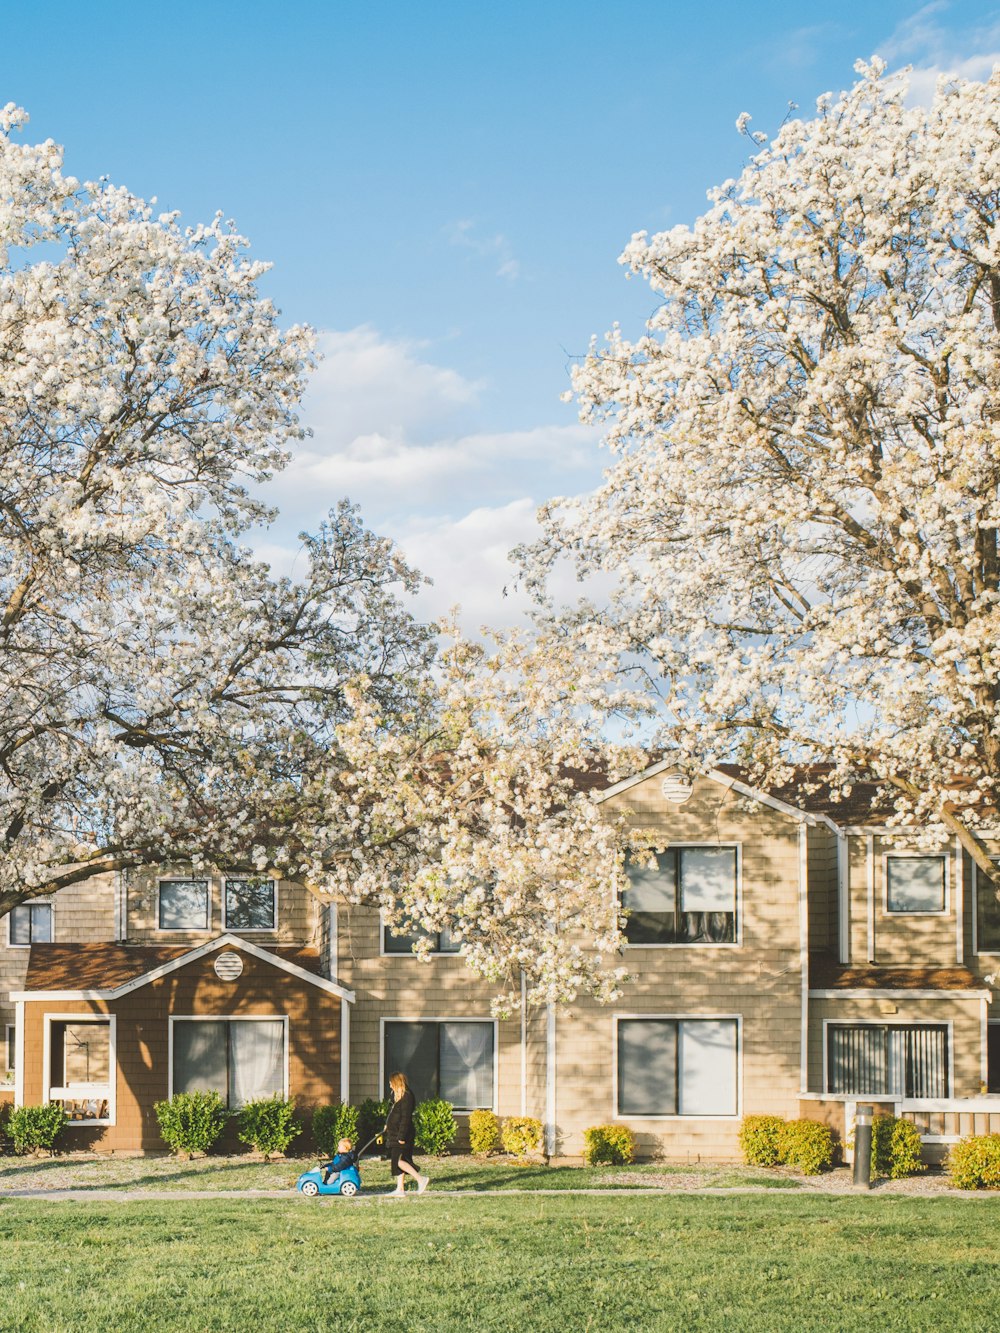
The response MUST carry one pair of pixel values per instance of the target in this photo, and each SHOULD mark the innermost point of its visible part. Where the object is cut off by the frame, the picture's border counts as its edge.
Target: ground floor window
(885, 1060)
(993, 1057)
(81, 1064)
(442, 1058)
(7, 1072)
(240, 1059)
(677, 1066)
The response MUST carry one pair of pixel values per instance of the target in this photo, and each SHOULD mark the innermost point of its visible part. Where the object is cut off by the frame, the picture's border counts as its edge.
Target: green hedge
(434, 1123)
(610, 1145)
(974, 1164)
(807, 1145)
(191, 1121)
(268, 1125)
(896, 1148)
(521, 1135)
(330, 1124)
(484, 1133)
(36, 1128)
(759, 1139)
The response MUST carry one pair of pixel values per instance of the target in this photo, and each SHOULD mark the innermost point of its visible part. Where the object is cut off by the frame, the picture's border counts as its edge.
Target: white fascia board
(888, 994)
(224, 941)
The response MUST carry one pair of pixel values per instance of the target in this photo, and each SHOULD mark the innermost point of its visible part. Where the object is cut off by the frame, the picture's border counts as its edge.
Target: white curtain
(466, 1056)
(256, 1061)
(706, 1061)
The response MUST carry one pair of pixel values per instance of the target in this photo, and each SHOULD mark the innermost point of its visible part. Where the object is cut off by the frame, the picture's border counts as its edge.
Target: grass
(464, 1173)
(738, 1263)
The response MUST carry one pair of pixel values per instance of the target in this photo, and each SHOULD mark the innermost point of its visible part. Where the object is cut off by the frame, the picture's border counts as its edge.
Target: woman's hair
(398, 1084)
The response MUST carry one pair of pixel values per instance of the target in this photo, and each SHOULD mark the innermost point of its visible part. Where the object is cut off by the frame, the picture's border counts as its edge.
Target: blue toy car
(346, 1182)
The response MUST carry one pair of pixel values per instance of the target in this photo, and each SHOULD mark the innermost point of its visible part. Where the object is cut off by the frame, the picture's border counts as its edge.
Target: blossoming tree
(801, 514)
(163, 696)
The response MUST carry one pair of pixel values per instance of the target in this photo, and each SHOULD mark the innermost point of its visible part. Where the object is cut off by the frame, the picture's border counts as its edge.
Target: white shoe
(422, 1183)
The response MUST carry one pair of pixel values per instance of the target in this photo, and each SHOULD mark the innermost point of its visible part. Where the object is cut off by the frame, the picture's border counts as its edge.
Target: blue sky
(443, 190)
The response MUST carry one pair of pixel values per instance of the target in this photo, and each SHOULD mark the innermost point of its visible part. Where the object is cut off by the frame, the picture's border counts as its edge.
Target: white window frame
(448, 1018)
(677, 1018)
(916, 856)
(986, 953)
(49, 902)
(383, 952)
(185, 930)
(737, 943)
(81, 1090)
(250, 930)
(886, 1023)
(224, 1018)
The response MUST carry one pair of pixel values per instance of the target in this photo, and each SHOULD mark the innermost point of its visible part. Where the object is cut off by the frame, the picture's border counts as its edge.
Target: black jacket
(399, 1125)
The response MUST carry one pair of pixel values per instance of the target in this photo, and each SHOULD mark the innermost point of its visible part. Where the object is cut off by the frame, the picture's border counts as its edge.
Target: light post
(863, 1147)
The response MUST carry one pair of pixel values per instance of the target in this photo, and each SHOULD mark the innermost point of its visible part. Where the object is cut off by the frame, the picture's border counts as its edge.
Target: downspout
(550, 1081)
(870, 867)
(524, 1045)
(959, 904)
(843, 899)
(18, 1053)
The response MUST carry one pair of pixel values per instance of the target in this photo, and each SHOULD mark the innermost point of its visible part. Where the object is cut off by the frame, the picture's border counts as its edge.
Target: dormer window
(183, 904)
(916, 884)
(30, 923)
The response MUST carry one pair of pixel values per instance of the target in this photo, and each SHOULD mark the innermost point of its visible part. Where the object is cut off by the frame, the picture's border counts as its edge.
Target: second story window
(250, 904)
(915, 883)
(31, 923)
(183, 904)
(687, 897)
(987, 914)
(442, 941)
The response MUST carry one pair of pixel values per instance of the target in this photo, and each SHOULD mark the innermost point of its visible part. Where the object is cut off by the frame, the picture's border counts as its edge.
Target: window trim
(111, 1022)
(946, 1023)
(50, 903)
(677, 1018)
(250, 930)
(185, 930)
(916, 856)
(226, 1018)
(383, 952)
(985, 953)
(737, 943)
(447, 1018)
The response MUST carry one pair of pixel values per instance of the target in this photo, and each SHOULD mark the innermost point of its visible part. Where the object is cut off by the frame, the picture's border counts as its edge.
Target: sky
(443, 190)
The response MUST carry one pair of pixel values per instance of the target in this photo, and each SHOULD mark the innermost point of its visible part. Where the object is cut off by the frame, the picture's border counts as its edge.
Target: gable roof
(109, 971)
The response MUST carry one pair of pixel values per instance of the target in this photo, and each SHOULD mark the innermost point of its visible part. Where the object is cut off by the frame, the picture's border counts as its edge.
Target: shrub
(434, 1122)
(759, 1139)
(330, 1124)
(974, 1164)
(191, 1121)
(521, 1135)
(268, 1125)
(612, 1145)
(36, 1128)
(807, 1145)
(484, 1132)
(371, 1117)
(895, 1148)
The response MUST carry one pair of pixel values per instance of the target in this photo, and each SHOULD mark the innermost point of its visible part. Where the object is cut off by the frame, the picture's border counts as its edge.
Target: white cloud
(935, 50)
(496, 248)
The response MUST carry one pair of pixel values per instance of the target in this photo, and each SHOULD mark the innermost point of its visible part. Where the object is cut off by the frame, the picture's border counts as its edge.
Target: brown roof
(107, 966)
(809, 790)
(826, 974)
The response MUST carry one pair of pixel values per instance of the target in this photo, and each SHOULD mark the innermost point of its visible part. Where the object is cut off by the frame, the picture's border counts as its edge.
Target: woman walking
(400, 1135)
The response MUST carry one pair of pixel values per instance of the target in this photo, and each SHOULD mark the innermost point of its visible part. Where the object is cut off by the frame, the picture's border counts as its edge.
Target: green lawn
(755, 1263)
(464, 1173)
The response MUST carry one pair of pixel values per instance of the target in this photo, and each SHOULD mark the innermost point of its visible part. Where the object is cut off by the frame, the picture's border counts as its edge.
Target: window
(688, 897)
(882, 1060)
(453, 1060)
(240, 1059)
(915, 883)
(987, 915)
(31, 923)
(10, 1049)
(993, 1057)
(250, 904)
(677, 1066)
(442, 941)
(81, 1063)
(184, 904)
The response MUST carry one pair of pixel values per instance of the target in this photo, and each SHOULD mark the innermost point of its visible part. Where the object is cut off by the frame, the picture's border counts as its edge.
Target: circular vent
(676, 788)
(228, 966)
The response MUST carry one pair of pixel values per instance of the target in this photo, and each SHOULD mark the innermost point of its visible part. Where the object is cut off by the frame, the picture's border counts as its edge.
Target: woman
(399, 1135)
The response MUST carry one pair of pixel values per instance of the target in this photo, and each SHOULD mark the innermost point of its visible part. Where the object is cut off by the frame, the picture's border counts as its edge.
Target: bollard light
(863, 1146)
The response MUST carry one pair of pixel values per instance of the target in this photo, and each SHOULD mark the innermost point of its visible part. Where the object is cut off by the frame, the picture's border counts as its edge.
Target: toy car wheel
(349, 1188)
(311, 1188)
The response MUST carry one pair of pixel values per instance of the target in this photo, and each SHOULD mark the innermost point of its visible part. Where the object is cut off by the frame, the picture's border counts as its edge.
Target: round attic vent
(676, 788)
(228, 966)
